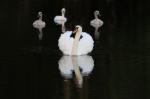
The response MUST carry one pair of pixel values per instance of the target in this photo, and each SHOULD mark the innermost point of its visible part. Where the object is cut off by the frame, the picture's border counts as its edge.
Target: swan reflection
(79, 65)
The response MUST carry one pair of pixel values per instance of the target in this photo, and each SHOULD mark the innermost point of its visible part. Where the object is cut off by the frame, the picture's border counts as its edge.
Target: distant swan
(96, 23)
(39, 24)
(61, 20)
(75, 42)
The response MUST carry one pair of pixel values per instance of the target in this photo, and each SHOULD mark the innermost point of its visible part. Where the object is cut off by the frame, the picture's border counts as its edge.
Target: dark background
(121, 55)
(126, 22)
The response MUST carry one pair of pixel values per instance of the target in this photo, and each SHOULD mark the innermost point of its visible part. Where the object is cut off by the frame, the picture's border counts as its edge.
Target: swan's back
(85, 44)
(96, 23)
(39, 24)
(60, 19)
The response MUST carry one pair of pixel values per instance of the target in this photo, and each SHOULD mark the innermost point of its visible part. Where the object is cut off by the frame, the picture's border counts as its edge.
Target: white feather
(96, 23)
(60, 20)
(39, 24)
(85, 45)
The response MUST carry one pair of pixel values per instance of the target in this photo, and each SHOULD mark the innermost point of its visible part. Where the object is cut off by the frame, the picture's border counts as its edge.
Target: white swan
(75, 42)
(61, 20)
(70, 64)
(39, 24)
(96, 23)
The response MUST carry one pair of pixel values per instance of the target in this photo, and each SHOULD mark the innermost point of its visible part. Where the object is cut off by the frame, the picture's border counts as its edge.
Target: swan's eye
(76, 28)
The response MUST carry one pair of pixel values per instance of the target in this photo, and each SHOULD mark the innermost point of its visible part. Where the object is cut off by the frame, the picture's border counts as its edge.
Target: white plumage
(96, 23)
(68, 44)
(39, 24)
(61, 20)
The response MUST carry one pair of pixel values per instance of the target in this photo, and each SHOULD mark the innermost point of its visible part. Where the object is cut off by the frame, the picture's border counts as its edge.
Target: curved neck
(40, 17)
(96, 16)
(63, 13)
(75, 43)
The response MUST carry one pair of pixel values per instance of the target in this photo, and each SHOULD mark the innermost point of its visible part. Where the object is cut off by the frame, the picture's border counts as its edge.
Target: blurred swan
(61, 20)
(96, 23)
(39, 24)
(75, 42)
(70, 64)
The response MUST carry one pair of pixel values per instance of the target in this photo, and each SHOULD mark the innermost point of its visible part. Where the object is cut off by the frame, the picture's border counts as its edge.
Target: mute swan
(75, 42)
(39, 24)
(61, 20)
(96, 23)
(70, 64)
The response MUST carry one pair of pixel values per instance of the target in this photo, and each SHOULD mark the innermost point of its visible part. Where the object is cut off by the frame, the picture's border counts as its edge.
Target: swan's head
(96, 13)
(63, 10)
(40, 15)
(78, 29)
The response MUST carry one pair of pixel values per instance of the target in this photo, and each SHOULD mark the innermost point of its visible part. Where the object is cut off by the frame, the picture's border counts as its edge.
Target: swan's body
(80, 44)
(61, 20)
(39, 24)
(96, 23)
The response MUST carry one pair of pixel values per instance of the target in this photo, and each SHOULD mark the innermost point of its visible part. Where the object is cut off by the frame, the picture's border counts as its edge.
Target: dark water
(29, 68)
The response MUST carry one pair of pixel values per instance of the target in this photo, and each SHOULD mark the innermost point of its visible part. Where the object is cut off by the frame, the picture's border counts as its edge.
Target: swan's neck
(96, 16)
(40, 17)
(63, 13)
(75, 43)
